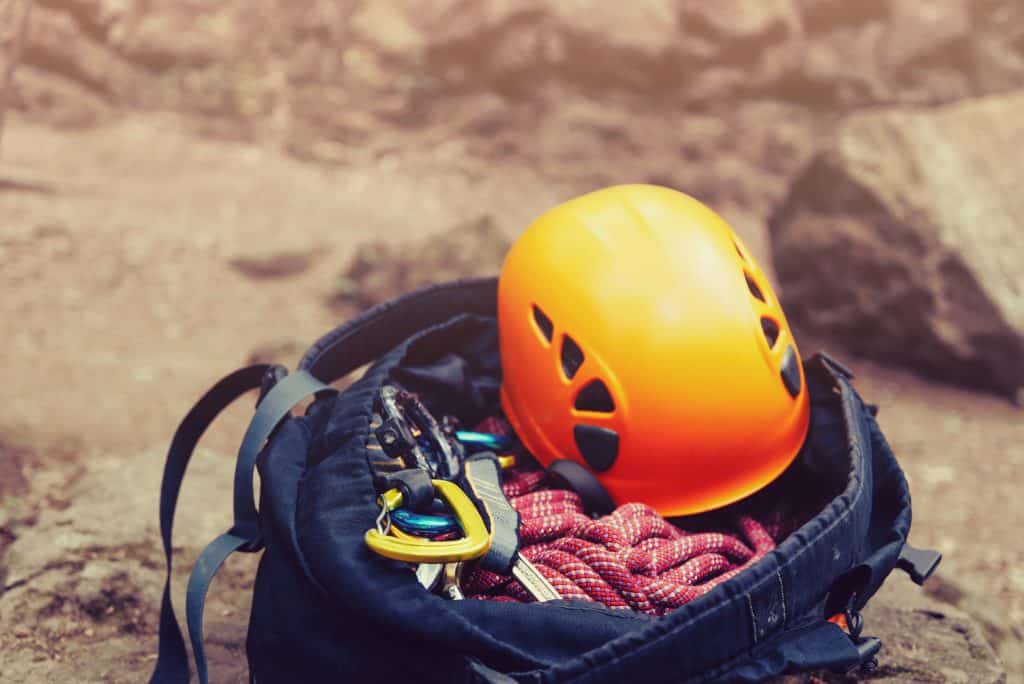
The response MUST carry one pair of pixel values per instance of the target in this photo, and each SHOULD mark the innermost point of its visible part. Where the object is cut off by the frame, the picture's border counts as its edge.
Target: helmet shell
(639, 338)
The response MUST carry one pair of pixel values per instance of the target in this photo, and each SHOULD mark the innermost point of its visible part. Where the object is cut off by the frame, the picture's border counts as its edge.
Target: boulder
(903, 240)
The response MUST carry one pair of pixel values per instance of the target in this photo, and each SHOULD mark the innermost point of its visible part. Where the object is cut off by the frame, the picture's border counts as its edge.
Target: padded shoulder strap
(373, 333)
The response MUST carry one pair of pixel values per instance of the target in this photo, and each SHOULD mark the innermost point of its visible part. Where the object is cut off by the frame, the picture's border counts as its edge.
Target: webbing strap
(172, 658)
(210, 560)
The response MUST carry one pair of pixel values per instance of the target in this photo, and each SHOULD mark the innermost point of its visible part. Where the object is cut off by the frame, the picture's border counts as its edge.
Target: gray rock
(1005, 635)
(94, 570)
(382, 270)
(919, 32)
(114, 510)
(81, 597)
(904, 239)
(924, 640)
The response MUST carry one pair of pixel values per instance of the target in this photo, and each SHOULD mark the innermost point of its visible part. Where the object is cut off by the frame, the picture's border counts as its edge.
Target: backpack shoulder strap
(244, 535)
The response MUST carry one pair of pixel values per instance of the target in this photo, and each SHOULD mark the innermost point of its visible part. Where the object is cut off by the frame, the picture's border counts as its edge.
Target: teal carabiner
(483, 441)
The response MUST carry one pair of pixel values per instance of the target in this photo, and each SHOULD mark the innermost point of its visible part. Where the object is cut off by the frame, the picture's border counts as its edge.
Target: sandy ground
(120, 306)
(119, 299)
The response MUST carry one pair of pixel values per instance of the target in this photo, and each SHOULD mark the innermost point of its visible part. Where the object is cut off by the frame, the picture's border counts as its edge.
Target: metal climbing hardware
(423, 524)
(409, 432)
(426, 524)
(451, 581)
(407, 527)
(429, 575)
(482, 475)
(474, 543)
(483, 441)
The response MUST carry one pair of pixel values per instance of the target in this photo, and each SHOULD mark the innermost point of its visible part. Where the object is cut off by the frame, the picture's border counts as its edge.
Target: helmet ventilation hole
(572, 357)
(599, 446)
(738, 250)
(595, 397)
(790, 371)
(771, 331)
(543, 323)
(752, 286)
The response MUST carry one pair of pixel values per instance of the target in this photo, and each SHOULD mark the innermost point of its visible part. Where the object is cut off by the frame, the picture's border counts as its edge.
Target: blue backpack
(326, 609)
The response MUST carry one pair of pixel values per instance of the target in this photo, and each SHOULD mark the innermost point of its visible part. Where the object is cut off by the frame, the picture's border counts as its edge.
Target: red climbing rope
(632, 558)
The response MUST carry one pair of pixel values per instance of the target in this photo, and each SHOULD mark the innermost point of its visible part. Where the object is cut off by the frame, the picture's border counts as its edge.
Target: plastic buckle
(867, 651)
(273, 375)
(918, 563)
(415, 485)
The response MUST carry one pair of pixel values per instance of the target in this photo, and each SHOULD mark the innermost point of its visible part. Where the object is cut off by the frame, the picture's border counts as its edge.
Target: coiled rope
(632, 558)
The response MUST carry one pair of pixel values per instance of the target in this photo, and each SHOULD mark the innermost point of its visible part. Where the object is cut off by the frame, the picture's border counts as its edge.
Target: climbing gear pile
(640, 338)
(632, 558)
(366, 499)
(419, 446)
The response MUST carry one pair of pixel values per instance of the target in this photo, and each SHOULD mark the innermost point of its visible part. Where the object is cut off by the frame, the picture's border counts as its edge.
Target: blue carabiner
(422, 524)
(483, 441)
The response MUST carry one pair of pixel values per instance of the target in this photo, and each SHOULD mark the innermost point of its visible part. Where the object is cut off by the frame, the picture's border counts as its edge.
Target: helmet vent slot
(790, 371)
(738, 250)
(771, 331)
(572, 357)
(595, 397)
(752, 286)
(543, 323)
(599, 446)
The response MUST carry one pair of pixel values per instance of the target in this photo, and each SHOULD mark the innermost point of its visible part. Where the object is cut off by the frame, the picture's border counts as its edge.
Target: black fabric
(325, 607)
(366, 337)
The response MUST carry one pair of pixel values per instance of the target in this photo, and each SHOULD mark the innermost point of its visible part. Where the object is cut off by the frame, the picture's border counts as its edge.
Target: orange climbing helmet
(640, 339)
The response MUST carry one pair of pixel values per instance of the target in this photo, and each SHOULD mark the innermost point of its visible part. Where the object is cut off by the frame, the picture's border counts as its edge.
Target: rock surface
(382, 270)
(905, 237)
(1000, 629)
(268, 60)
(81, 588)
(927, 641)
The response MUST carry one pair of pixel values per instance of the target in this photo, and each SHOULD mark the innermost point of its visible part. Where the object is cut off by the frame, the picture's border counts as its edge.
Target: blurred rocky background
(187, 184)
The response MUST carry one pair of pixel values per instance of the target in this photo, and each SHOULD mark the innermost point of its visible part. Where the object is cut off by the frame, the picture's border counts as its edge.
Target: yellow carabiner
(476, 540)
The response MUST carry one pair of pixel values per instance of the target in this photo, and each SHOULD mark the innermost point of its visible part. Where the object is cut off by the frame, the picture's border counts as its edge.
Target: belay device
(327, 608)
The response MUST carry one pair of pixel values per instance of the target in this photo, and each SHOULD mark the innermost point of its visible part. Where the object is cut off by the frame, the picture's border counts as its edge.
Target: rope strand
(631, 559)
